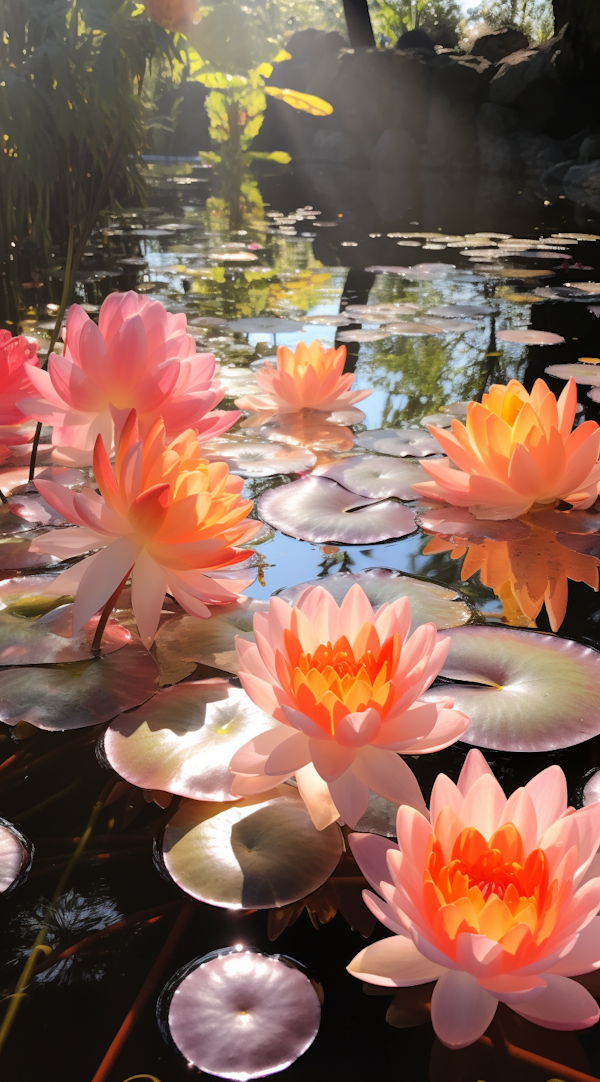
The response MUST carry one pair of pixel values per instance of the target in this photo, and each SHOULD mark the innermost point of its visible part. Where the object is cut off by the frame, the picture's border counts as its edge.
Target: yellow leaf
(589, 360)
(281, 55)
(307, 102)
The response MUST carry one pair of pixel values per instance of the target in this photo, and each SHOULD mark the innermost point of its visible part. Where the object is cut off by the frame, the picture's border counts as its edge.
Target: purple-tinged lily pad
(259, 458)
(527, 336)
(342, 319)
(319, 510)
(15, 856)
(182, 740)
(379, 818)
(429, 603)
(33, 510)
(586, 543)
(16, 554)
(80, 693)
(183, 642)
(18, 477)
(258, 853)
(452, 311)
(591, 789)
(523, 690)
(586, 374)
(376, 476)
(10, 523)
(399, 442)
(458, 523)
(412, 328)
(265, 325)
(28, 595)
(243, 1015)
(568, 521)
(48, 640)
(359, 335)
(308, 428)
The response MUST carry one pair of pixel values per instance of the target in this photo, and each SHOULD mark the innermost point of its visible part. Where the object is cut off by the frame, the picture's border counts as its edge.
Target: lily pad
(376, 476)
(363, 336)
(454, 311)
(238, 380)
(243, 1014)
(586, 543)
(429, 603)
(16, 555)
(412, 328)
(15, 856)
(318, 432)
(581, 373)
(35, 511)
(459, 523)
(340, 320)
(184, 642)
(18, 476)
(259, 458)
(27, 595)
(528, 336)
(400, 442)
(379, 818)
(183, 739)
(258, 853)
(80, 693)
(319, 510)
(523, 690)
(265, 324)
(591, 789)
(10, 523)
(48, 640)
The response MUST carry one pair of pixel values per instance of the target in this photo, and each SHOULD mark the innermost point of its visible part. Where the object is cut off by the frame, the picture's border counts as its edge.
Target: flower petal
(461, 1010)
(394, 963)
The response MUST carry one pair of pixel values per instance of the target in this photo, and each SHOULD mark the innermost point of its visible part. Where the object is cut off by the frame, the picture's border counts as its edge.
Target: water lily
(15, 353)
(344, 682)
(490, 900)
(138, 357)
(164, 515)
(311, 377)
(516, 449)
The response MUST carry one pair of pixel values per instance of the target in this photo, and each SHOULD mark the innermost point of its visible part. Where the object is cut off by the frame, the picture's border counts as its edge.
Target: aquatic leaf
(591, 789)
(259, 458)
(341, 320)
(528, 336)
(238, 380)
(18, 476)
(429, 603)
(308, 428)
(307, 103)
(15, 856)
(260, 852)
(183, 641)
(244, 1015)
(10, 523)
(48, 639)
(523, 690)
(363, 336)
(459, 523)
(35, 511)
(585, 287)
(379, 818)
(412, 328)
(265, 325)
(452, 311)
(549, 518)
(581, 373)
(183, 739)
(401, 442)
(377, 476)
(15, 554)
(319, 510)
(447, 415)
(27, 595)
(586, 543)
(453, 326)
(80, 693)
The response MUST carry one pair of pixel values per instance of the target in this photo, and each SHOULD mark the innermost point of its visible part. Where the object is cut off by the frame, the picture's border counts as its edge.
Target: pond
(469, 285)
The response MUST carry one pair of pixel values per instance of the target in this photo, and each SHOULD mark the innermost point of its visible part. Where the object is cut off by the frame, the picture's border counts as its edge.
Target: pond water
(328, 242)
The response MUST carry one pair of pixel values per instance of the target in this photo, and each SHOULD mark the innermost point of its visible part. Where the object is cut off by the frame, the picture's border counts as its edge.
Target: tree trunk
(582, 36)
(358, 21)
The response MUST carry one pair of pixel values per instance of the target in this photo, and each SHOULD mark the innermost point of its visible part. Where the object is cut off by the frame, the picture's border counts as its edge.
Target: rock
(555, 174)
(498, 146)
(518, 72)
(334, 146)
(496, 120)
(460, 79)
(583, 179)
(589, 150)
(395, 150)
(415, 39)
(500, 43)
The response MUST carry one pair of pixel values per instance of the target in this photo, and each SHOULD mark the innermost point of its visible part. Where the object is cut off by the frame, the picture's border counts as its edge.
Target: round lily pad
(79, 693)
(183, 642)
(183, 739)
(458, 522)
(48, 640)
(452, 326)
(259, 458)
(400, 442)
(10, 523)
(376, 476)
(258, 853)
(265, 324)
(451, 311)
(16, 555)
(364, 335)
(319, 510)
(591, 789)
(318, 432)
(340, 320)
(242, 1014)
(586, 374)
(412, 328)
(28, 595)
(523, 690)
(379, 818)
(237, 380)
(18, 477)
(16, 855)
(35, 511)
(429, 603)
(528, 336)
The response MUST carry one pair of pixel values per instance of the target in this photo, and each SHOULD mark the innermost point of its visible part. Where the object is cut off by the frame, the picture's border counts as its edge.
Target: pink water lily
(164, 515)
(138, 357)
(344, 682)
(493, 899)
(15, 354)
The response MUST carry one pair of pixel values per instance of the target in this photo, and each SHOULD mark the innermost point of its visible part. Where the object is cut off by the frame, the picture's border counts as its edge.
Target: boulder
(498, 146)
(460, 79)
(517, 73)
(395, 150)
(334, 146)
(583, 179)
(555, 174)
(589, 150)
(415, 39)
(500, 43)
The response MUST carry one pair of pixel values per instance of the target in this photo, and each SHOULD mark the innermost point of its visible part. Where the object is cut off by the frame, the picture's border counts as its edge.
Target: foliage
(72, 116)
(534, 17)
(393, 17)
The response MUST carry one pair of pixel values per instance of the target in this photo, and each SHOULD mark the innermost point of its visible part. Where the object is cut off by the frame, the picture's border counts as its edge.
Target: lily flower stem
(146, 991)
(39, 944)
(106, 611)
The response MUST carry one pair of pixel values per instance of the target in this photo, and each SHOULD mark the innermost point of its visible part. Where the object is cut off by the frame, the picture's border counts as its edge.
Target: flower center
(333, 681)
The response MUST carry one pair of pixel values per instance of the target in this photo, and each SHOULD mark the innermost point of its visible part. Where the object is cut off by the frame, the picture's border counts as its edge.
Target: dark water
(314, 264)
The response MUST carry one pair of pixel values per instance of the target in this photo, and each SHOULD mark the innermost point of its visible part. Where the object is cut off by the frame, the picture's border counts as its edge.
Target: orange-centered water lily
(344, 682)
(165, 515)
(516, 449)
(494, 899)
(310, 378)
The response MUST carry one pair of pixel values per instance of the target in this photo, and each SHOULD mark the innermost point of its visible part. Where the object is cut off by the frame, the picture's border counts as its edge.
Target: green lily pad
(429, 603)
(523, 690)
(183, 739)
(258, 853)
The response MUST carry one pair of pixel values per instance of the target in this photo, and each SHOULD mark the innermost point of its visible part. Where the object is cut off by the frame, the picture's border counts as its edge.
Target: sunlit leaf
(49, 639)
(377, 476)
(15, 856)
(258, 458)
(457, 523)
(307, 103)
(530, 337)
(183, 642)
(262, 851)
(400, 442)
